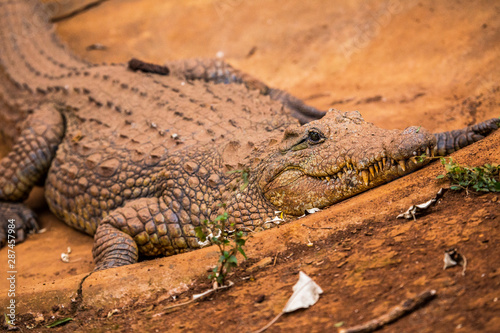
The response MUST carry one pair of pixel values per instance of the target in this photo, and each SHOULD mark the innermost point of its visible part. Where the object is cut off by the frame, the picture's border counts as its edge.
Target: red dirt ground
(398, 63)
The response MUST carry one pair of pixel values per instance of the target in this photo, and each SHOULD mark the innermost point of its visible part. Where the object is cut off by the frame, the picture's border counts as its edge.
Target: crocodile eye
(314, 137)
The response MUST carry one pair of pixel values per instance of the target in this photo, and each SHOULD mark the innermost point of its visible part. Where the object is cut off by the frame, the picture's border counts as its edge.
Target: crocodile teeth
(384, 161)
(375, 166)
(372, 171)
(366, 177)
(427, 152)
(327, 178)
(380, 165)
(402, 165)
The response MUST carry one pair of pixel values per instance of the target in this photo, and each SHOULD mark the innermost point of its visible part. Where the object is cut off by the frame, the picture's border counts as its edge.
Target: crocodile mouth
(304, 189)
(380, 170)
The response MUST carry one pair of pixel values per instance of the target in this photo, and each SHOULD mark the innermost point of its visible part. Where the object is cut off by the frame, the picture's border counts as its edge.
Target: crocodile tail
(448, 142)
(30, 53)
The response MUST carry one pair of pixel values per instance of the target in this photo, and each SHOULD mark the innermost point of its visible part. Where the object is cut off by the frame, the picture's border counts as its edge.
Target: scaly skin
(140, 159)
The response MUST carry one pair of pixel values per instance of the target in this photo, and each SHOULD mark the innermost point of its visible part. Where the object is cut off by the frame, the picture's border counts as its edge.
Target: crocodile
(138, 155)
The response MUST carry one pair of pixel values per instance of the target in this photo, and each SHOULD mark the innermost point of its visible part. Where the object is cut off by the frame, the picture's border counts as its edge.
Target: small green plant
(244, 177)
(227, 259)
(59, 322)
(481, 178)
(423, 158)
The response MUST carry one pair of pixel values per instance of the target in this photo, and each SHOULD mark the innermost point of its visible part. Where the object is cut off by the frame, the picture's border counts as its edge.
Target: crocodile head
(336, 157)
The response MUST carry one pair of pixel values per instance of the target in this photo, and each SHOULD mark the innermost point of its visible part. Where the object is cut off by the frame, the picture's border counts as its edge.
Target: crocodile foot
(16, 222)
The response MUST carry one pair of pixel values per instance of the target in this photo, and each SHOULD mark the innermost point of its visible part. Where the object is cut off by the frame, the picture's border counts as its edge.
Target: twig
(270, 323)
(276, 258)
(316, 228)
(394, 314)
(196, 297)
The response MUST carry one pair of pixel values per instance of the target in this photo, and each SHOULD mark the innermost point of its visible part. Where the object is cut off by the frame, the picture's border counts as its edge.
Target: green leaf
(227, 258)
(59, 322)
(479, 178)
(200, 234)
(240, 250)
(339, 324)
(440, 176)
(7, 320)
(222, 217)
(233, 259)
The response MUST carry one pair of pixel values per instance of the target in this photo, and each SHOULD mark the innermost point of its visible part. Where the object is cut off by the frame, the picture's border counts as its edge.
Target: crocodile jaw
(294, 191)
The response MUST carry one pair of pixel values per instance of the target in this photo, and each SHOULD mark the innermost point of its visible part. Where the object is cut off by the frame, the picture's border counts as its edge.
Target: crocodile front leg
(146, 226)
(25, 166)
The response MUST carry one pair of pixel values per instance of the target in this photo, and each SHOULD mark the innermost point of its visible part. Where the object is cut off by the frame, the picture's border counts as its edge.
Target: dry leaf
(305, 293)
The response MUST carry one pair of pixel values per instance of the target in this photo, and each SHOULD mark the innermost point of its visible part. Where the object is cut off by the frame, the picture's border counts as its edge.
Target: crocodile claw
(17, 217)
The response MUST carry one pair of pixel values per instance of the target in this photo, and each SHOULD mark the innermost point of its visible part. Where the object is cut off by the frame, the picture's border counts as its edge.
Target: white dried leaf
(305, 293)
(65, 257)
(276, 220)
(453, 258)
(448, 262)
(309, 212)
(418, 209)
(208, 240)
(112, 312)
(313, 210)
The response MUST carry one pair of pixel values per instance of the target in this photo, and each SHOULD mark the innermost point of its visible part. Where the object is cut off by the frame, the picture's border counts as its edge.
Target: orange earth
(399, 63)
